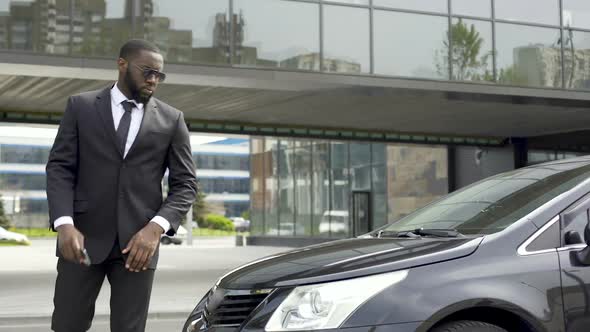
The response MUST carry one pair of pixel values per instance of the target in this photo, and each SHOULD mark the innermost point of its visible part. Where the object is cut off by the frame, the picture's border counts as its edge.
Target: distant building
(311, 61)
(222, 171)
(541, 65)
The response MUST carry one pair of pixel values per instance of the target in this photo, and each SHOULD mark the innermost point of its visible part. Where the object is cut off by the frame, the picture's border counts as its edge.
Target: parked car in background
(176, 239)
(6, 235)
(240, 224)
(334, 222)
(510, 253)
(286, 229)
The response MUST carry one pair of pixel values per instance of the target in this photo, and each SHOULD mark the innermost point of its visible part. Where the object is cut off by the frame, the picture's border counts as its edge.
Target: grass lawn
(34, 232)
(6, 243)
(215, 232)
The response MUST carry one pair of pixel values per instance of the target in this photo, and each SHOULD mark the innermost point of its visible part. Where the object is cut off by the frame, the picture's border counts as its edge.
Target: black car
(509, 253)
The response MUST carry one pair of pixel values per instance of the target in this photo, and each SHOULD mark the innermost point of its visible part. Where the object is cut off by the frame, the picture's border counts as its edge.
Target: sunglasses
(148, 72)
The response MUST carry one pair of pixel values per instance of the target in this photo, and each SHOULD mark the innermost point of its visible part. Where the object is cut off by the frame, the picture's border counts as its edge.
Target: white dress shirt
(117, 97)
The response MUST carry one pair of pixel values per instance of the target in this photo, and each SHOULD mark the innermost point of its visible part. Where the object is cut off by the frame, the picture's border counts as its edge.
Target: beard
(136, 93)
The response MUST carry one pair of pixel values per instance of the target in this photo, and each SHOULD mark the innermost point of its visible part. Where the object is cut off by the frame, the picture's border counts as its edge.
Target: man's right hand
(70, 243)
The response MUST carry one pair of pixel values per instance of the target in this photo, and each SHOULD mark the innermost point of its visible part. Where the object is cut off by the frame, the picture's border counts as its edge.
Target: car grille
(231, 308)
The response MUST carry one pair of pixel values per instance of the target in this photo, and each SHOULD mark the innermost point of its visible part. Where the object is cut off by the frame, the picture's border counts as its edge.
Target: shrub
(215, 221)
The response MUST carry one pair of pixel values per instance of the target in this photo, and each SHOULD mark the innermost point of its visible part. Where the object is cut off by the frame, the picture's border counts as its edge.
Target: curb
(37, 320)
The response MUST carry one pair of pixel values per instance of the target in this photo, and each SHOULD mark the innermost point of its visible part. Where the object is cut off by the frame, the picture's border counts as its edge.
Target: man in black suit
(104, 190)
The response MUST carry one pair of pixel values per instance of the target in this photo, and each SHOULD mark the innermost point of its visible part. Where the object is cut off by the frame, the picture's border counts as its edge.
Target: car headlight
(326, 306)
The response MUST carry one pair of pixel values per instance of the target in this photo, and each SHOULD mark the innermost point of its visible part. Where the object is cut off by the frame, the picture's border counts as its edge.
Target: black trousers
(77, 287)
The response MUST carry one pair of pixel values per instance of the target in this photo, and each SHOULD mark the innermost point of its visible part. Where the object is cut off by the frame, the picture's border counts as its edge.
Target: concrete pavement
(27, 279)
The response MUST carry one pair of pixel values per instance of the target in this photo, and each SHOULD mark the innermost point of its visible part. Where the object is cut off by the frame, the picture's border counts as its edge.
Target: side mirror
(583, 255)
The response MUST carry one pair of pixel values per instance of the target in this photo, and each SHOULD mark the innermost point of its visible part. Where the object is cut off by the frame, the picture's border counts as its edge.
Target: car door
(575, 275)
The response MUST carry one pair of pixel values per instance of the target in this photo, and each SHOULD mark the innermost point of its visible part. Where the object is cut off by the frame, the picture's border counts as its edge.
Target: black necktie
(124, 124)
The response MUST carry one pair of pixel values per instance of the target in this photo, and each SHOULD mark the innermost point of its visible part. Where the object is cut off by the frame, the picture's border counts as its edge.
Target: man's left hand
(142, 247)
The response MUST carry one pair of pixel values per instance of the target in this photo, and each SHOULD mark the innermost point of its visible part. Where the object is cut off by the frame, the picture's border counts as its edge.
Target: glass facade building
(336, 189)
(496, 42)
(222, 171)
(359, 111)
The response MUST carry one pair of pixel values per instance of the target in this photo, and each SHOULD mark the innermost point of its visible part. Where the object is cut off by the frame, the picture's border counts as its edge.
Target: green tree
(4, 222)
(246, 214)
(467, 62)
(510, 76)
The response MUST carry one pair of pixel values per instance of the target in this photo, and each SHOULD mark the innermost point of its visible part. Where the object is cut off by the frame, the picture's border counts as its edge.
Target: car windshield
(493, 204)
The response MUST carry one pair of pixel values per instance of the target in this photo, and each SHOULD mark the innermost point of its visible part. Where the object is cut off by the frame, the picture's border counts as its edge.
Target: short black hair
(134, 46)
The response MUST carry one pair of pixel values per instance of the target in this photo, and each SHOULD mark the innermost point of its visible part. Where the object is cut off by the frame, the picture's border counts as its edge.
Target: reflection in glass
(541, 156)
(472, 57)
(410, 45)
(379, 184)
(543, 11)
(416, 176)
(190, 31)
(302, 170)
(286, 189)
(337, 216)
(346, 40)
(321, 187)
(481, 8)
(352, 2)
(437, 6)
(576, 13)
(24, 154)
(577, 59)
(528, 56)
(267, 38)
(271, 188)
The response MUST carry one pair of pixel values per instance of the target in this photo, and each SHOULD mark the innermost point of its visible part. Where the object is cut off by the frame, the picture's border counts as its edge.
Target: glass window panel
(189, 31)
(271, 188)
(379, 196)
(286, 189)
(378, 154)
(416, 176)
(321, 188)
(267, 39)
(576, 13)
(481, 8)
(360, 166)
(350, 54)
(22, 181)
(338, 215)
(472, 58)
(24, 154)
(410, 45)
(257, 181)
(577, 59)
(353, 2)
(303, 200)
(545, 11)
(528, 55)
(438, 6)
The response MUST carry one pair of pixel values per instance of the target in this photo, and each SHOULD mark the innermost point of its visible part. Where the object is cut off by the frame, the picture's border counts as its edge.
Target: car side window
(573, 222)
(549, 239)
(573, 232)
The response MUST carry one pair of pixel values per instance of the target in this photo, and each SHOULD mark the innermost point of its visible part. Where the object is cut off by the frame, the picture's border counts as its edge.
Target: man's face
(140, 86)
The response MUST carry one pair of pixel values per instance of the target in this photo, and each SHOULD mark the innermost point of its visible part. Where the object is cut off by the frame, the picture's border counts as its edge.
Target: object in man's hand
(86, 260)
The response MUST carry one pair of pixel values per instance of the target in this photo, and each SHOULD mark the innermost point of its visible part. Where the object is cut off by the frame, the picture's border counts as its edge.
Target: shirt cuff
(66, 220)
(162, 222)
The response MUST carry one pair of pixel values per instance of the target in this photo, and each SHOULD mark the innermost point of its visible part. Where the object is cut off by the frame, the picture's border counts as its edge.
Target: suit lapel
(103, 107)
(149, 111)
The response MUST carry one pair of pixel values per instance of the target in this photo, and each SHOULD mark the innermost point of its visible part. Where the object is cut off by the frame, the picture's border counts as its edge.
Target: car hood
(345, 259)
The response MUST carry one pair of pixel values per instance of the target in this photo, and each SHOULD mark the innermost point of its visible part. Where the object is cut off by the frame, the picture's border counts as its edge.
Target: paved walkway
(184, 275)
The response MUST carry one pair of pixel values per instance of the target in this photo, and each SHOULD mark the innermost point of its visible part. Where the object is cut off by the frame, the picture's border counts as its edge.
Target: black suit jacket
(108, 195)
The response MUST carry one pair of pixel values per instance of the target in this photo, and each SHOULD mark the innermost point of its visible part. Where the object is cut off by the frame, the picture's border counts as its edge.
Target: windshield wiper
(419, 232)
